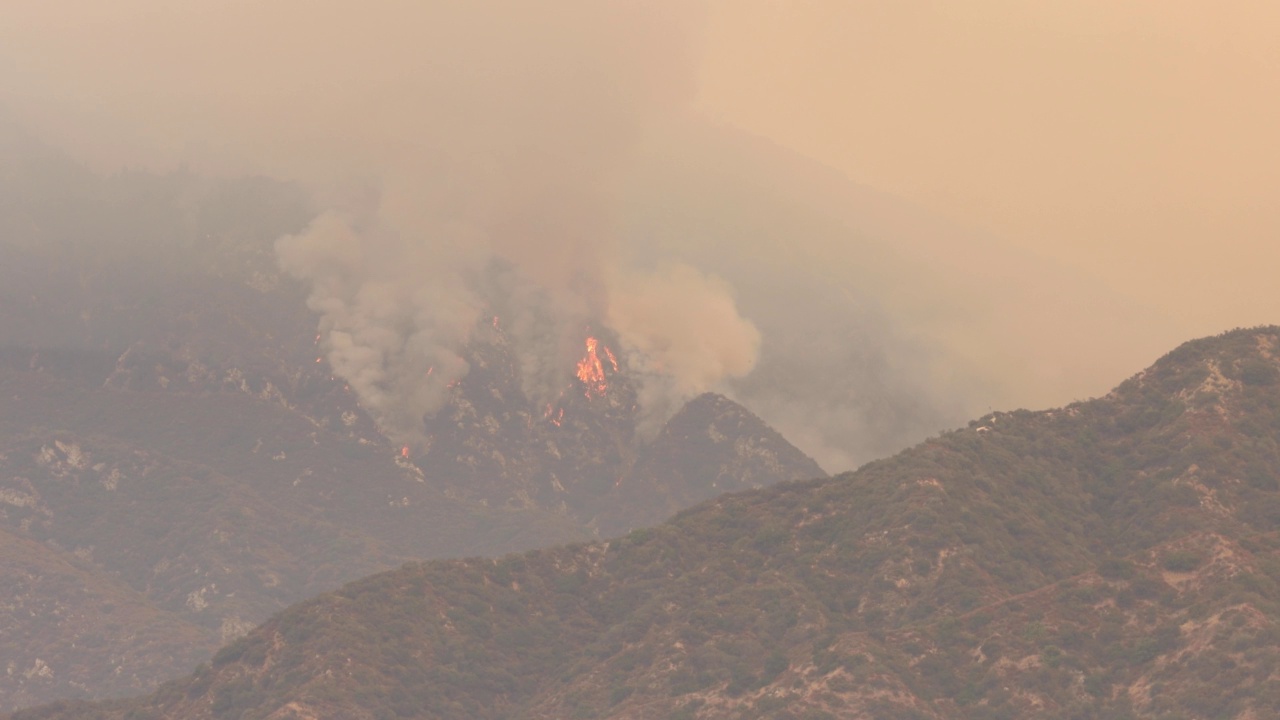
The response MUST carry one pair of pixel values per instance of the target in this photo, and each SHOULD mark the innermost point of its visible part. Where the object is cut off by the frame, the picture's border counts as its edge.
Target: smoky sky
(640, 166)
(1128, 141)
(442, 142)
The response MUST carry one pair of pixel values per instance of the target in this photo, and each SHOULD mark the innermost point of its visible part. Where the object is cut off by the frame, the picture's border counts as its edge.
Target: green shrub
(1259, 372)
(1182, 561)
(1115, 569)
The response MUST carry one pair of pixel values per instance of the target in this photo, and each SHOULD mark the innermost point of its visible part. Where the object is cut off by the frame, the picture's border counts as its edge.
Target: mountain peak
(1205, 386)
(1230, 361)
(712, 445)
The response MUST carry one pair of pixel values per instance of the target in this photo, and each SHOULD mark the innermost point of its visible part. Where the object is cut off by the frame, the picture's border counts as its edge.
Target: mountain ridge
(171, 425)
(1117, 557)
(216, 509)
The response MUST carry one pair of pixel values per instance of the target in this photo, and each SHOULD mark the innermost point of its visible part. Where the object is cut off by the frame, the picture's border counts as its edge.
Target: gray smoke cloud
(539, 161)
(390, 328)
(467, 158)
(482, 158)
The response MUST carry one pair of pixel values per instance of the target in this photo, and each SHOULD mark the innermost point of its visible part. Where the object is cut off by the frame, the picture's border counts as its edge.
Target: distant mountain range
(176, 465)
(1115, 558)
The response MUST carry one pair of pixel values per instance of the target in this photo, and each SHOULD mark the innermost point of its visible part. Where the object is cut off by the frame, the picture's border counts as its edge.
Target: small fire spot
(591, 369)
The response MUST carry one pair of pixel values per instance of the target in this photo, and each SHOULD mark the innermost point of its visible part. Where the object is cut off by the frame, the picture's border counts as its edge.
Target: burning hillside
(495, 443)
(591, 372)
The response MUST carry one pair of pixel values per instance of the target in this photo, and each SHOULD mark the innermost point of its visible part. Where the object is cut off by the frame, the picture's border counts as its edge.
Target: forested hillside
(178, 459)
(1116, 558)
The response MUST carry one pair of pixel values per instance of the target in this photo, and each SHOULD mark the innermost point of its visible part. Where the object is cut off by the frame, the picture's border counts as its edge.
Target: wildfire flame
(404, 451)
(591, 369)
(553, 416)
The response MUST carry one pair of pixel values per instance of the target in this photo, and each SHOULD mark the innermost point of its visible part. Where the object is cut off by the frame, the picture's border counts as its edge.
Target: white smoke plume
(467, 158)
(682, 333)
(475, 156)
(471, 158)
(389, 327)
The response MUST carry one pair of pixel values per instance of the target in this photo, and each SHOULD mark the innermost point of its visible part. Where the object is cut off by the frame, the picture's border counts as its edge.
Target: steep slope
(78, 612)
(169, 432)
(712, 446)
(1114, 558)
(219, 499)
(214, 510)
(222, 484)
(582, 456)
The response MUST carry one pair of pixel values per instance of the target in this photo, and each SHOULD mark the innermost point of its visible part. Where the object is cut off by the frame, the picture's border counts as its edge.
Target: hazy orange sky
(1132, 139)
(1137, 140)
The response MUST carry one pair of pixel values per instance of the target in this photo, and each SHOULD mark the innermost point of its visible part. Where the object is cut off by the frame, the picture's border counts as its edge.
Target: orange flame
(404, 451)
(591, 369)
(556, 418)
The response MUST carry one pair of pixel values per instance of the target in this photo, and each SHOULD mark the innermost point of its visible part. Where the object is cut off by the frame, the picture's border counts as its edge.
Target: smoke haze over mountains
(443, 141)
(547, 164)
